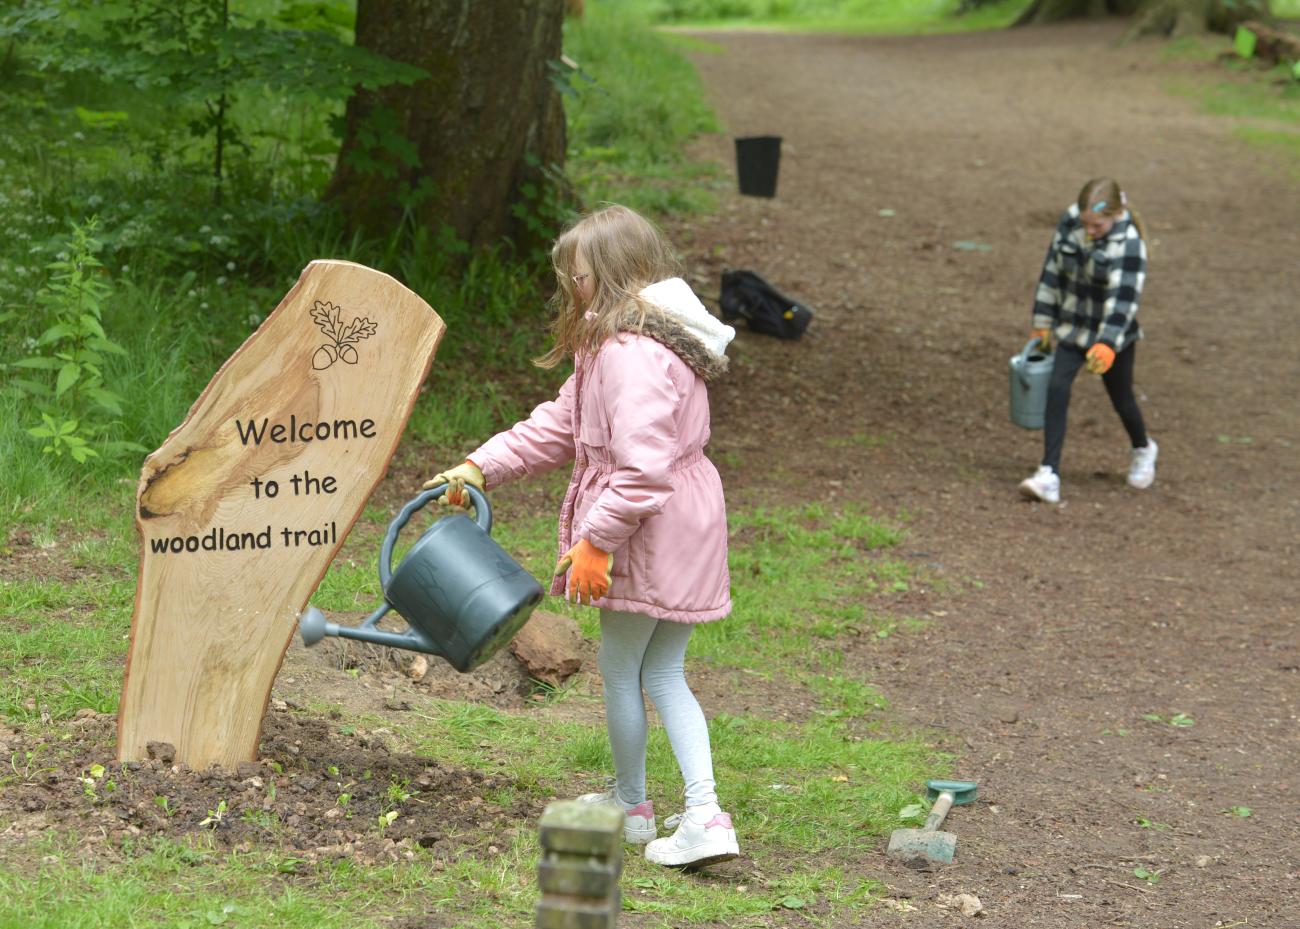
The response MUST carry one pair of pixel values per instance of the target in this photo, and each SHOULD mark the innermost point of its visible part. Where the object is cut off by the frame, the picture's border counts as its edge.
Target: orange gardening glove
(1044, 337)
(456, 478)
(589, 572)
(1100, 358)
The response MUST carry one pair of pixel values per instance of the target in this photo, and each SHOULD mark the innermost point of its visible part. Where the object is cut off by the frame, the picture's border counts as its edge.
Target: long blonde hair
(1106, 191)
(626, 254)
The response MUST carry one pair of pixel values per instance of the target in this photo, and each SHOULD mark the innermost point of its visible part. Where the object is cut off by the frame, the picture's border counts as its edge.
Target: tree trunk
(1050, 11)
(1163, 17)
(1190, 17)
(459, 147)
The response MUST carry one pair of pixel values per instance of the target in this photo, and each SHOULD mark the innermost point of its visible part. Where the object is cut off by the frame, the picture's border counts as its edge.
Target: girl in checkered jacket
(1088, 299)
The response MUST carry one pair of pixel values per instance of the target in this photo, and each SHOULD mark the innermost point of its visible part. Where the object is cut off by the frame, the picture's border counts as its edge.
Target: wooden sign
(246, 503)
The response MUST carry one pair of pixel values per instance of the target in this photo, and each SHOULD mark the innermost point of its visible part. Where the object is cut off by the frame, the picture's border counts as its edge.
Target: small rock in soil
(549, 647)
(968, 904)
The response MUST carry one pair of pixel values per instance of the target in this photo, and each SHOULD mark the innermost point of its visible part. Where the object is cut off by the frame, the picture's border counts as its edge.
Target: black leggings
(1119, 385)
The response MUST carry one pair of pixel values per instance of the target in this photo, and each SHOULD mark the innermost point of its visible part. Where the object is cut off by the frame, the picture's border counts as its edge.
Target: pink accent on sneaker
(721, 819)
(645, 808)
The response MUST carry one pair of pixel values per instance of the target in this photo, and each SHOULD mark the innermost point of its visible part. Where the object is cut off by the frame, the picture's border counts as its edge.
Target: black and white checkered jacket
(1089, 290)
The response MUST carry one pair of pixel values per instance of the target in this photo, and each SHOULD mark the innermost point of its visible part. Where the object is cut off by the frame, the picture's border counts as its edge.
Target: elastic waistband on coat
(599, 459)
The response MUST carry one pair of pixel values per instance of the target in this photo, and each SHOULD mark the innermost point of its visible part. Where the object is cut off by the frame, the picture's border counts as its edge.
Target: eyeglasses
(579, 278)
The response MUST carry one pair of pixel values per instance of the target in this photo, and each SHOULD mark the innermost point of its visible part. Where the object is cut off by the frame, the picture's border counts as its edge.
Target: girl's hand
(1100, 358)
(1044, 337)
(589, 572)
(456, 478)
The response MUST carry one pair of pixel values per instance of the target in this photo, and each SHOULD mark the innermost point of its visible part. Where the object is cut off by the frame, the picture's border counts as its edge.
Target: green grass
(807, 794)
(632, 105)
(815, 793)
(1262, 97)
(846, 16)
(1282, 142)
(801, 578)
(1265, 103)
(63, 646)
(185, 887)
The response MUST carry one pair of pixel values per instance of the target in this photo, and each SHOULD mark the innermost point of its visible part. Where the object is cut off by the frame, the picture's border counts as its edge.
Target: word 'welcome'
(304, 430)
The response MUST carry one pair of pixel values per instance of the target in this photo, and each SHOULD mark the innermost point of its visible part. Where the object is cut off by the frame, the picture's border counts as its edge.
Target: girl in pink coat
(643, 528)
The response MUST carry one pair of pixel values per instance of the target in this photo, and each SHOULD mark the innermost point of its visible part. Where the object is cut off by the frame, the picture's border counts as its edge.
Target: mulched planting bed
(315, 792)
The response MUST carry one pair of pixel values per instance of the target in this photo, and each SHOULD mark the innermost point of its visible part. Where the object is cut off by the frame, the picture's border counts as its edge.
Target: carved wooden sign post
(246, 503)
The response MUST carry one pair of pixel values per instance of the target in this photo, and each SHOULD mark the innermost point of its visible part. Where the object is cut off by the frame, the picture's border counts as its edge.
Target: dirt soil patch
(314, 793)
(1120, 673)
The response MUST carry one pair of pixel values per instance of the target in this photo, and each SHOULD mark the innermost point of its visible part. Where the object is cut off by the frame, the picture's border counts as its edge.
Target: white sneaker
(1045, 485)
(697, 841)
(1142, 465)
(638, 822)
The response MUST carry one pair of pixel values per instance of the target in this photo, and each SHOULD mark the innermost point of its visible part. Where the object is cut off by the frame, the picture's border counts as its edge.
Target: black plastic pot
(758, 159)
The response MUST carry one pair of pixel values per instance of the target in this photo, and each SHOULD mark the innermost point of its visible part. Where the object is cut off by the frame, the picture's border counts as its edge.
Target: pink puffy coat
(634, 419)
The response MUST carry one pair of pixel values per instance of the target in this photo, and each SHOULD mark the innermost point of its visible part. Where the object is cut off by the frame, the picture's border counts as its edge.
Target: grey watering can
(461, 594)
(1031, 370)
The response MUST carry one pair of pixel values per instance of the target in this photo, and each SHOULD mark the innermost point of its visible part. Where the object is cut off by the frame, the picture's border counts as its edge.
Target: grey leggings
(639, 651)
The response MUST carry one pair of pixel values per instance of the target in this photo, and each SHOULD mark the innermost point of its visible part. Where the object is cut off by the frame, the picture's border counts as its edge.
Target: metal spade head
(920, 848)
(927, 846)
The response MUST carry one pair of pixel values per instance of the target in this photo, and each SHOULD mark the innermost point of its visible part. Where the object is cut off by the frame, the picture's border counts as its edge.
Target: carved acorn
(325, 356)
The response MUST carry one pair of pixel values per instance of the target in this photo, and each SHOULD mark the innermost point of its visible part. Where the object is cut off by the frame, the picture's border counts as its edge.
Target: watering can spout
(314, 627)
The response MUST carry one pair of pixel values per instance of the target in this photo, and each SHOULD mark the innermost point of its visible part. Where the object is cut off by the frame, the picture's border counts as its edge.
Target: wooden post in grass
(246, 503)
(578, 871)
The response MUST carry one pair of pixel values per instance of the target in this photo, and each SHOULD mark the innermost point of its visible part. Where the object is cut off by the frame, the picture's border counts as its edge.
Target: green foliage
(195, 57)
(63, 372)
(1243, 43)
(632, 102)
(190, 280)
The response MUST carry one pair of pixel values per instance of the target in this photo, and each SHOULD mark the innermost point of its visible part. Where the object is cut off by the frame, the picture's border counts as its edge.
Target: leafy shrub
(63, 373)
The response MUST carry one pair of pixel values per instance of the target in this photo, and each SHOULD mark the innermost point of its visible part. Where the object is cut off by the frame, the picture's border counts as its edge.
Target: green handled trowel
(927, 846)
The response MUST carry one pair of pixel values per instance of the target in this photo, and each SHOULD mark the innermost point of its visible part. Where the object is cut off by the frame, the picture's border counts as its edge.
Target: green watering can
(461, 593)
(1031, 371)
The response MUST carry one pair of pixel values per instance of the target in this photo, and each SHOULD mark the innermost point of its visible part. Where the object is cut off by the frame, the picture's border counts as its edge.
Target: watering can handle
(482, 512)
(1029, 347)
(1022, 357)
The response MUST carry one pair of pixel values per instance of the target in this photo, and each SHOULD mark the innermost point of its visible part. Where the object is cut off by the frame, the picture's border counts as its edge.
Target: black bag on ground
(764, 309)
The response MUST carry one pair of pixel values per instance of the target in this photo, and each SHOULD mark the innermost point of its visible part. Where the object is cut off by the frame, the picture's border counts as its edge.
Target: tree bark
(1050, 11)
(1190, 17)
(459, 147)
(1162, 17)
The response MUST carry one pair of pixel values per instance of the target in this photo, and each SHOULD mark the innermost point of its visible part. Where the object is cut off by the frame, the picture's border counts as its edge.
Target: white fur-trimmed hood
(685, 320)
